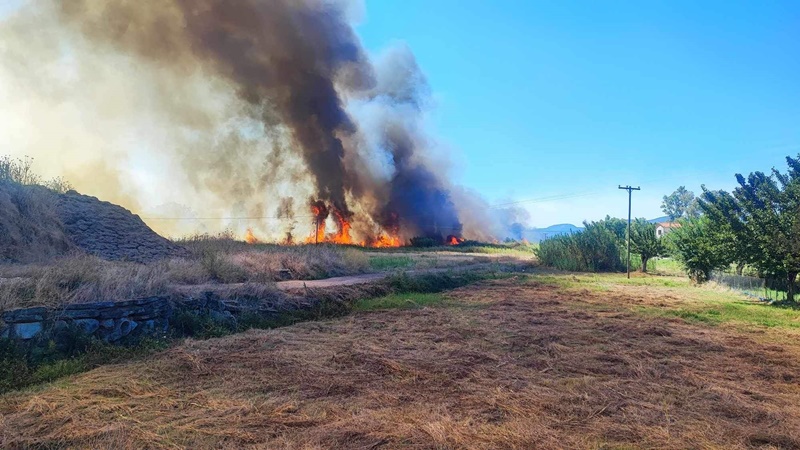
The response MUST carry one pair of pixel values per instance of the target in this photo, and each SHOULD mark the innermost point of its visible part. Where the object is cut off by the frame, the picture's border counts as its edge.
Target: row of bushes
(601, 247)
(596, 249)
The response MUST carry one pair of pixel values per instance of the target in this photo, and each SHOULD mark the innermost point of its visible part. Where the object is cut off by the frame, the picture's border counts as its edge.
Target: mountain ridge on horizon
(535, 234)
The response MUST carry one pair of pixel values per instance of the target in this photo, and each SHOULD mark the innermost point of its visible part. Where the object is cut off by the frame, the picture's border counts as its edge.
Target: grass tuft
(399, 301)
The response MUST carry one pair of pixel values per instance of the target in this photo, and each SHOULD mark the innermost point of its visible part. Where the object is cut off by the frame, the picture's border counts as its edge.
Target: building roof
(669, 225)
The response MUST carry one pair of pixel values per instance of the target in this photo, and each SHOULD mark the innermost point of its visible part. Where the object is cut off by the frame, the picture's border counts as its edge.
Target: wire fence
(761, 288)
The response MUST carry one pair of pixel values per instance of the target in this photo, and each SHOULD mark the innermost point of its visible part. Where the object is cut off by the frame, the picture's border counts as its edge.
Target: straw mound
(37, 224)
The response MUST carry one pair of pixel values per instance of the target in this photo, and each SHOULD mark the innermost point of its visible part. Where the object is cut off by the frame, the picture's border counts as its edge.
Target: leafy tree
(763, 216)
(644, 241)
(738, 243)
(680, 203)
(700, 247)
(617, 226)
(693, 211)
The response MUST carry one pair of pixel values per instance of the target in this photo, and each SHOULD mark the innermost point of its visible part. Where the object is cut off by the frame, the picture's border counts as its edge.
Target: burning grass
(515, 363)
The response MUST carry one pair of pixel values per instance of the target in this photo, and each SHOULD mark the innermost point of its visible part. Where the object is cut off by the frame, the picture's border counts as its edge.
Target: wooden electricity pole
(630, 192)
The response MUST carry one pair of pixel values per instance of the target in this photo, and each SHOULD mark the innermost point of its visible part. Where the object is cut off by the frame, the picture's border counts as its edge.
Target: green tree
(617, 226)
(680, 203)
(644, 241)
(763, 217)
(699, 246)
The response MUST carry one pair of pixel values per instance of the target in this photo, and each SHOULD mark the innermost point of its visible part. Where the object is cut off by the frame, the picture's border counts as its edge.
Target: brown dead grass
(512, 364)
(79, 279)
(83, 278)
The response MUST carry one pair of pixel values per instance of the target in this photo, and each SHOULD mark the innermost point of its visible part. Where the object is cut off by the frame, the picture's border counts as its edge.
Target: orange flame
(386, 241)
(250, 238)
(453, 240)
(343, 235)
(388, 238)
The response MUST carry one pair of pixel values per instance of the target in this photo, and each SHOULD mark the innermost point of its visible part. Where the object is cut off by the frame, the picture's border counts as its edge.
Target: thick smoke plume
(240, 109)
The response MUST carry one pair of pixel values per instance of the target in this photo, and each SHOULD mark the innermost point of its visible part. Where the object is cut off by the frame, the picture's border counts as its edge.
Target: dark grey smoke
(294, 61)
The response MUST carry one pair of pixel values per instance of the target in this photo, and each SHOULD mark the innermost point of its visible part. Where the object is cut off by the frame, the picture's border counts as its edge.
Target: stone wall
(117, 321)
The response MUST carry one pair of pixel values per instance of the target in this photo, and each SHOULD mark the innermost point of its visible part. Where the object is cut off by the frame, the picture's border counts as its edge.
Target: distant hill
(540, 234)
(659, 219)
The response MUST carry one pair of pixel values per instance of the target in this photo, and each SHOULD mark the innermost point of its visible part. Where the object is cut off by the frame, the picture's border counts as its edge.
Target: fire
(320, 214)
(342, 236)
(389, 237)
(250, 238)
(384, 240)
(453, 240)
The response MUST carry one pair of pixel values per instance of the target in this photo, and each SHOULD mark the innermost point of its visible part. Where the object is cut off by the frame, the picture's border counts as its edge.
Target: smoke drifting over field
(250, 108)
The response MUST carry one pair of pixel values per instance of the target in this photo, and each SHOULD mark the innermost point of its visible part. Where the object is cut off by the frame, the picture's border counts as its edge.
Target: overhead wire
(546, 199)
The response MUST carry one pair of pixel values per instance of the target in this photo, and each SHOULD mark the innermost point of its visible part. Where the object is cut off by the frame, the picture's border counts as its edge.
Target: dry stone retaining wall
(117, 321)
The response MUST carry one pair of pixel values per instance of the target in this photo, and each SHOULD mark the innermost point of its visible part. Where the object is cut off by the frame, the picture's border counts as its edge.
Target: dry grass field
(542, 361)
(80, 278)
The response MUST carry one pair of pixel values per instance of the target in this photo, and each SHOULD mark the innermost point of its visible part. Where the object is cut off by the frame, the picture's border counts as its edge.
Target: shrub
(20, 171)
(431, 282)
(699, 247)
(221, 269)
(595, 249)
(425, 241)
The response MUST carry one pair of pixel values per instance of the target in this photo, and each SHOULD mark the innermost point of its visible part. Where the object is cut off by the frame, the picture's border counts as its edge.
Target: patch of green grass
(490, 249)
(666, 266)
(739, 312)
(515, 249)
(380, 263)
(399, 301)
(440, 281)
(23, 366)
(605, 281)
(654, 281)
(703, 304)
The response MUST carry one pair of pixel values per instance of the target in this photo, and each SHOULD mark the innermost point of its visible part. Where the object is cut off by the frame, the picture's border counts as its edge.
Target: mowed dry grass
(505, 364)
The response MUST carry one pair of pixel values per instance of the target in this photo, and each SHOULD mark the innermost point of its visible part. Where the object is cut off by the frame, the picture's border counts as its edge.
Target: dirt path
(368, 277)
(290, 285)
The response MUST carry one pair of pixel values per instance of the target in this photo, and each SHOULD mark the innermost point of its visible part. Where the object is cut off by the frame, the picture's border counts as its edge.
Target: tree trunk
(792, 276)
(644, 264)
(739, 268)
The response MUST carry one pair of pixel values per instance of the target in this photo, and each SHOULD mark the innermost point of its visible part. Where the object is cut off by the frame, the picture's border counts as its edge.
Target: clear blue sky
(542, 98)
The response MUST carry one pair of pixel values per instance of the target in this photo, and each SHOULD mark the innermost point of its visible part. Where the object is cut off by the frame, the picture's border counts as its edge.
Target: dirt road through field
(369, 277)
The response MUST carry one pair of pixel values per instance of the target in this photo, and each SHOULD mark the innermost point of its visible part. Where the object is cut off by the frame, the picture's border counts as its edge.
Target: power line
(494, 206)
(226, 218)
(498, 205)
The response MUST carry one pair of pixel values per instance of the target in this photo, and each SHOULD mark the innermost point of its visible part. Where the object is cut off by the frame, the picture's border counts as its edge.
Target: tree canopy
(700, 247)
(644, 241)
(762, 221)
(681, 203)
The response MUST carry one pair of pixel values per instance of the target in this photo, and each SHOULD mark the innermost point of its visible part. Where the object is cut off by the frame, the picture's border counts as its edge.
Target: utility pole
(630, 192)
(316, 230)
